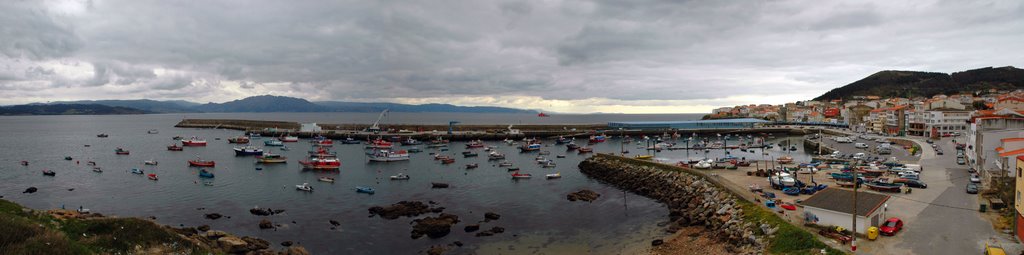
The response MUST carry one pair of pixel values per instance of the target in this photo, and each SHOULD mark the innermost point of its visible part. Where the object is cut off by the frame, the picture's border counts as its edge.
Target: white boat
(289, 139)
(388, 155)
(494, 155)
(505, 163)
(150, 162)
(400, 176)
(304, 187)
(326, 179)
(703, 164)
(153, 131)
(783, 179)
(554, 175)
(97, 169)
(548, 164)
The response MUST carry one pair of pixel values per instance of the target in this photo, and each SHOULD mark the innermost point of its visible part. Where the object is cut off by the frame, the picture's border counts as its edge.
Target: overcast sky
(562, 56)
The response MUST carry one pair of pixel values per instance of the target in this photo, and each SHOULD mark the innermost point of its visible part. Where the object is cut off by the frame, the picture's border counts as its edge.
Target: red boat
(517, 175)
(201, 163)
(447, 160)
(152, 176)
(321, 152)
(475, 144)
(543, 115)
(194, 141)
(175, 147)
(321, 163)
(121, 151)
(586, 150)
(239, 139)
(379, 144)
(323, 143)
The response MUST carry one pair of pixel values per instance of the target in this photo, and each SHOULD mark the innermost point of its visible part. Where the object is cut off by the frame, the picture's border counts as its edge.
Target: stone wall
(692, 199)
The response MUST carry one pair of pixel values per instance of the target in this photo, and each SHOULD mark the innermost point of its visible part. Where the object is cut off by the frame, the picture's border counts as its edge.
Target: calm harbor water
(535, 214)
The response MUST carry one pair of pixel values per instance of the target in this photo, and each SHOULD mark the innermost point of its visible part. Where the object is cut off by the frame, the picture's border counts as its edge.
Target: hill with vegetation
(914, 83)
(67, 109)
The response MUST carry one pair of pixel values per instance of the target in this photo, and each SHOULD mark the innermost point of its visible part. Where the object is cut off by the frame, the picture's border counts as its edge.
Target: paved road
(848, 148)
(942, 219)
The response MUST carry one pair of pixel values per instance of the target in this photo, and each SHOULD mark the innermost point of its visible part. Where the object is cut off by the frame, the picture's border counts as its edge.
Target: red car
(891, 226)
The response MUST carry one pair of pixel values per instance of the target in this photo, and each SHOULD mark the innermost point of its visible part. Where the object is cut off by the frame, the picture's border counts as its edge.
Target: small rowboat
(304, 187)
(471, 166)
(205, 174)
(554, 175)
(521, 176)
(366, 190)
(175, 147)
(201, 163)
(147, 162)
(326, 179)
(643, 156)
(152, 176)
(49, 173)
(884, 187)
(97, 169)
(400, 176)
(137, 171)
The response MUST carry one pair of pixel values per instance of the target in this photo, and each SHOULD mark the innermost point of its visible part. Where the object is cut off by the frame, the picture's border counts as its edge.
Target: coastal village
(970, 143)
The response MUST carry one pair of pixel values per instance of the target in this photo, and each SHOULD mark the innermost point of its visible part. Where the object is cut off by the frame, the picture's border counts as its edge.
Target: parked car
(891, 226)
(915, 184)
(960, 161)
(972, 188)
(928, 141)
(939, 152)
(975, 178)
(909, 176)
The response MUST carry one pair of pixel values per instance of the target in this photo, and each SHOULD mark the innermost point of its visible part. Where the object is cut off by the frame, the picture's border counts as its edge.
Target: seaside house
(986, 133)
(834, 207)
(1012, 102)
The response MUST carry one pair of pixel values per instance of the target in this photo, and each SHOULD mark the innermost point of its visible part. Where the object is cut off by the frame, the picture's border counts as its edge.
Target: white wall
(831, 218)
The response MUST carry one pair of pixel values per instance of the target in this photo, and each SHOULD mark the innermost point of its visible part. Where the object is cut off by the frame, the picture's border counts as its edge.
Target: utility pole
(853, 235)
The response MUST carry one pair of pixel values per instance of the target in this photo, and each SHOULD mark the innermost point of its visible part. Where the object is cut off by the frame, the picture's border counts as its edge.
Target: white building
(985, 134)
(944, 123)
(834, 207)
(310, 127)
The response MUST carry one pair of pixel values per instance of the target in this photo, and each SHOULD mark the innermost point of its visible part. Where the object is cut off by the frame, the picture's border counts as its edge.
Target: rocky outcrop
(213, 216)
(585, 195)
(264, 211)
(692, 200)
(266, 224)
(489, 216)
(434, 227)
(403, 208)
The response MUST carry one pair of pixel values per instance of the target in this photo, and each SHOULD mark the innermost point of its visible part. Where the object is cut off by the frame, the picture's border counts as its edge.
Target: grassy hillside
(911, 83)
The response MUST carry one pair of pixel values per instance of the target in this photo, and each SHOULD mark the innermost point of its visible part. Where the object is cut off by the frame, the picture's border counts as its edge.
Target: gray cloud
(556, 50)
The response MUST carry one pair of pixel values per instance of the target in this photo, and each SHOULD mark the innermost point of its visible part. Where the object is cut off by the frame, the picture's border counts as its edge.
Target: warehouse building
(691, 124)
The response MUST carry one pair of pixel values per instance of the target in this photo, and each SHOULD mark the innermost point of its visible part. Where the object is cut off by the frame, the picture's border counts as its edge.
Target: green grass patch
(789, 239)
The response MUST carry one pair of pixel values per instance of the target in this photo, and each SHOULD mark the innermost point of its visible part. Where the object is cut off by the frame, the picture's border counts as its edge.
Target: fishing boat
(884, 187)
(505, 163)
(194, 141)
(273, 142)
(367, 190)
(102, 135)
(97, 169)
(518, 175)
(239, 139)
(201, 163)
(562, 140)
(270, 158)
(784, 160)
(349, 140)
(475, 144)
(67, 158)
(447, 161)
(548, 164)
(411, 141)
(304, 187)
(571, 146)
(153, 131)
(415, 150)
(175, 147)
(583, 150)
(560, 156)
(151, 176)
(289, 139)
(254, 135)
(323, 142)
(471, 166)
(248, 151)
(643, 156)
(543, 115)
(322, 152)
(137, 171)
(203, 173)
(147, 162)
(48, 172)
(321, 163)
(379, 144)
(24, 163)
(554, 175)
(597, 139)
(388, 155)
(121, 151)
(530, 147)
(400, 176)
(326, 179)
(177, 138)
(469, 154)
(494, 155)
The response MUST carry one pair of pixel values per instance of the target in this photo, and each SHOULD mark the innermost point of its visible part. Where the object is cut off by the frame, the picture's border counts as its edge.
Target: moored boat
(321, 163)
(469, 154)
(273, 142)
(597, 139)
(102, 135)
(248, 151)
(884, 187)
(326, 179)
(643, 156)
(147, 162)
(153, 131)
(175, 147)
(289, 139)
(505, 163)
(583, 150)
(379, 144)
(471, 166)
(388, 155)
(201, 163)
(350, 141)
(572, 146)
(518, 175)
(784, 160)
(554, 175)
(268, 158)
(400, 176)
(411, 141)
(152, 176)
(530, 147)
(121, 151)
(137, 171)
(475, 144)
(494, 155)
(193, 141)
(203, 173)
(304, 187)
(239, 139)
(48, 172)
(366, 190)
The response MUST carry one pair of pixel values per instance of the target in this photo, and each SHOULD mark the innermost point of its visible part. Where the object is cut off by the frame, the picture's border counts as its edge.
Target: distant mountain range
(279, 104)
(927, 84)
(67, 109)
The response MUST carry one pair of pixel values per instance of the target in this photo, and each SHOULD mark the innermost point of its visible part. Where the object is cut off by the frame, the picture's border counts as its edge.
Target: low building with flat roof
(689, 124)
(834, 207)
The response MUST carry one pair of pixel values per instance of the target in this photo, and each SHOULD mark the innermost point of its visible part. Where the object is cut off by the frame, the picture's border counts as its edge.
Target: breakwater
(692, 199)
(461, 132)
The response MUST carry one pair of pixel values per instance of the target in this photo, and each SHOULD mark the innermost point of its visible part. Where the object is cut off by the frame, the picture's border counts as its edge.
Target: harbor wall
(693, 198)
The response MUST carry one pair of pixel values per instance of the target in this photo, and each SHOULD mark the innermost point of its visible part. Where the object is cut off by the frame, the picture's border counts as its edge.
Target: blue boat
(366, 190)
(273, 142)
(205, 174)
(792, 191)
(136, 171)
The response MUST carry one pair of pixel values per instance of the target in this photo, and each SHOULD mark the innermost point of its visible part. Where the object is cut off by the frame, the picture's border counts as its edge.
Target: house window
(1019, 170)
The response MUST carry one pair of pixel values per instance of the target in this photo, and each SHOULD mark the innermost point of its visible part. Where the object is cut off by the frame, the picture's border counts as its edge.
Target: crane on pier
(451, 126)
(375, 128)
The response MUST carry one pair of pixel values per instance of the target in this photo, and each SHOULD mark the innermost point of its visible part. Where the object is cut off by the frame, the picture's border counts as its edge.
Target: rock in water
(265, 224)
(296, 250)
(286, 243)
(335, 223)
(489, 216)
(657, 242)
(260, 211)
(583, 195)
(471, 228)
(213, 216)
(204, 228)
(434, 227)
(403, 208)
(436, 250)
(233, 244)
(30, 190)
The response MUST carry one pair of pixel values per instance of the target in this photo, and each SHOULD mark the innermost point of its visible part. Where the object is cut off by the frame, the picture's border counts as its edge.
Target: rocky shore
(692, 201)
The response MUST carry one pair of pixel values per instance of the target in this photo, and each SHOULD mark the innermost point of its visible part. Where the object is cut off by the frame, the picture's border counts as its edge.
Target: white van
(859, 155)
(860, 145)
